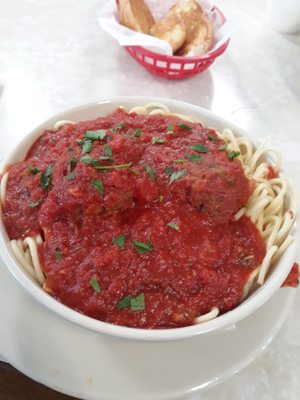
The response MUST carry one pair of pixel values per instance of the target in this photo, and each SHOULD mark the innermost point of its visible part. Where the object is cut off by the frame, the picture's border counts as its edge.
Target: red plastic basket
(175, 67)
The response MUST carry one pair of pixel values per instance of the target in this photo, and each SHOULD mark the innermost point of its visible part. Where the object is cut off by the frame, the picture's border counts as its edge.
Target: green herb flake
(137, 133)
(98, 185)
(33, 170)
(151, 172)
(46, 177)
(120, 241)
(193, 157)
(107, 152)
(173, 226)
(108, 167)
(95, 135)
(58, 254)
(177, 175)
(212, 137)
(158, 140)
(161, 198)
(105, 158)
(137, 303)
(134, 172)
(71, 176)
(184, 126)
(89, 160)
(169, 171)
(72, 163)
(95, 285)
(70, 149)
(86, 145)
(118, 127)
(233, 154)
(35, 203)
(223, 147)
(199, 148)
(170, 129)
(124, 303)
(179, 161)
(141, 247)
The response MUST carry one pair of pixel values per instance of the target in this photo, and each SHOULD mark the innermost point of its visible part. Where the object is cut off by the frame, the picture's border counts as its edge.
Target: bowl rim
(224, 321)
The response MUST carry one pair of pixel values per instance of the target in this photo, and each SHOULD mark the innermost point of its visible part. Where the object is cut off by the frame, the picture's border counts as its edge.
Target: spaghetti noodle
(267, 206)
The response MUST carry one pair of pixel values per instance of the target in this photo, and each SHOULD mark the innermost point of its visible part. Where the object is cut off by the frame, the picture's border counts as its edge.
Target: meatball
(218, 188)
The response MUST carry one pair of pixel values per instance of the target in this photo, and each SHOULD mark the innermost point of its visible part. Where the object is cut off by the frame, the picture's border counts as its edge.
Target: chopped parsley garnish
(107, 152)
(105, 158)
(151, 172)
(138, 303)
(199, 148)
(177, 175)
(96, 164)
(95, 135)
(72, 163)
(89, 160)
(233, 154)
(173, 226)
(141, 247)
(33, 170)
(46, 177)
(184, 126)
(120, 241)
(134, 172)
(71, 176)
(137, 133)
(95, 285)
(58, 254)
(179, 161)
(193, 157)
(98, 185)
(169, 171)
(118, 127)
(70, 149)
(86, 145)
(212, 137)
(107, 167)
(170, 129)
(35, 203)
(124, 303)
(156, 139)
(135, 303)
(223, 147)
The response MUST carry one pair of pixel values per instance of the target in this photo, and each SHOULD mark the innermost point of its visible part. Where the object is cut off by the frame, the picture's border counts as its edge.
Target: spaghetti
(267, 206)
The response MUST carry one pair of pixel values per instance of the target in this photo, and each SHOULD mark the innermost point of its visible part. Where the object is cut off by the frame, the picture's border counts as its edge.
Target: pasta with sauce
(148, 218)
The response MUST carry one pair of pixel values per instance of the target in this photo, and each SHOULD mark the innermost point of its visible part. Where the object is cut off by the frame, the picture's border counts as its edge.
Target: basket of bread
(172, 39)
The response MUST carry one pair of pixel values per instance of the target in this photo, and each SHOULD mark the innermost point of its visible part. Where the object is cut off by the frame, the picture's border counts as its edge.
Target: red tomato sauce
(150, 242)
(272, 173)
(292, 280)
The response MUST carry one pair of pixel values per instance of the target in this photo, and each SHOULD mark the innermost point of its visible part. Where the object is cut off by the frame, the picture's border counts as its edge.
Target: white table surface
(53, 56)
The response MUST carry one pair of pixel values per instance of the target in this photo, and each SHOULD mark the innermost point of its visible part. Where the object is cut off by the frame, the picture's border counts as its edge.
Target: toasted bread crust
(198, 27)
(200, 42)
(190, 12)
(135, 14)
(170, 29)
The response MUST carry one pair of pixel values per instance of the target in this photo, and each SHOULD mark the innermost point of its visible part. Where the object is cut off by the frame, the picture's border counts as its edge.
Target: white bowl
(247, 307)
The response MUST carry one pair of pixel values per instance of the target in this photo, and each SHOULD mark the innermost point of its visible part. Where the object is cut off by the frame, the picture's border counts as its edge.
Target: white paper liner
(108, 20)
